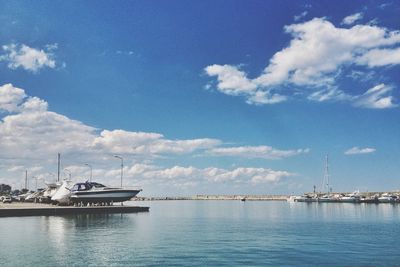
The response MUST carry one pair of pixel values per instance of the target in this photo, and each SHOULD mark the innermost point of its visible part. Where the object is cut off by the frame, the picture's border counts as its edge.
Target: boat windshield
(97, 185)
(86, 186)
(80, 187)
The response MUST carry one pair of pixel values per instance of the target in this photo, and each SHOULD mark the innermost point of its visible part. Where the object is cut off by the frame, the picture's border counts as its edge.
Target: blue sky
(202, 97)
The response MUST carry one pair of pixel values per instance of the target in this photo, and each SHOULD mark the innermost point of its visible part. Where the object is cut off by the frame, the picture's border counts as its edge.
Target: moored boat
(63, 193)
(328, 198)
(351, 198)
(91, 192)
(387, 198)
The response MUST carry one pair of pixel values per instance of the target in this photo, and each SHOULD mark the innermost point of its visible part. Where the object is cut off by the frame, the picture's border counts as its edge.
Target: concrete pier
(30, 209)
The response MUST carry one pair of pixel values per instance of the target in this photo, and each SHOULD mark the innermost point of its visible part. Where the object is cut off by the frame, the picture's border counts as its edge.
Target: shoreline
(250, 197)
(217, 197)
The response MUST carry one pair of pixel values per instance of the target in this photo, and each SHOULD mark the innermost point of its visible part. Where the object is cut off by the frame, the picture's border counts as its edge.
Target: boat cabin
(86, 186)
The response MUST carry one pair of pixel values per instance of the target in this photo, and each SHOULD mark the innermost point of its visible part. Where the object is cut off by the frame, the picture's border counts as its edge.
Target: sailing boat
(328, 197)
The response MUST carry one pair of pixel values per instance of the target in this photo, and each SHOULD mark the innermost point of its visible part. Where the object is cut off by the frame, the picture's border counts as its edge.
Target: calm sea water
(209, 233)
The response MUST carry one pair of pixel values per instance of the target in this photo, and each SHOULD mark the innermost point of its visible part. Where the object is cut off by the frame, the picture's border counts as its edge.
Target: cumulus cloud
(231, 80)
(210, 174)
(120, 141)
(31, 136)
(352, 18)
(10, 97)
(31, 130)
(265, 152)
(380, 57)
(312, 61)
(28, 58)
(356, 150)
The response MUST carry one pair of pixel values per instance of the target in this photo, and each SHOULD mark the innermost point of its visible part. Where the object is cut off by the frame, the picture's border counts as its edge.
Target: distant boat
(373, 199)
(304, 198)
(243, 199)
(387, 198)
(91, 192)
(352, 198)
(328, 198)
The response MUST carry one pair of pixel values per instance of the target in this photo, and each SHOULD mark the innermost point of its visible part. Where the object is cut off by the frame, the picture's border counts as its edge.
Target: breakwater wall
(217, 197)
(31, 209)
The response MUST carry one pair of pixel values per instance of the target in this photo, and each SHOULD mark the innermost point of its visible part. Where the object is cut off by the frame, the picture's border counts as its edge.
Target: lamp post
(69, 173)
(91, 171)
(122, 165)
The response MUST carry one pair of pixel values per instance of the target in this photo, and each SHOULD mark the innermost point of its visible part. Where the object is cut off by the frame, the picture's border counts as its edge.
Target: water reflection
(209, 233)
(331, 212)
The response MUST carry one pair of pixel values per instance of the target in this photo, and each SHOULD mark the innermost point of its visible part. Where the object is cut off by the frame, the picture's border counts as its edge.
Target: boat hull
(328, 200)
(305, 200)
(103, 196)
(350, 200)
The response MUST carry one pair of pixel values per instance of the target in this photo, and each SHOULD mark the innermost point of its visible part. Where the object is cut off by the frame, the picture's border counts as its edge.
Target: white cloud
(10, 97)
(331, 93)
(265, 152)
(34, 104)
(312, 61)
(352, 18)
(318, 49)
(211, 174)
(34, 131)
(120, 141)
(356, 150)
(31, 136)
(231, 80)
(300, 16)
(29, 58)
(265, 97)
(380, 57)
(377, 97)
(385, 5)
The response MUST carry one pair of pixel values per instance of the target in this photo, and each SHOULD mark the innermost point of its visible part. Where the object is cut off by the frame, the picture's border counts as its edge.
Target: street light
(69, 172)
(91, 171)
(122, 165)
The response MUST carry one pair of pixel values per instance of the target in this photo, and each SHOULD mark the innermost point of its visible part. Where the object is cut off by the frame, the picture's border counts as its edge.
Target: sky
(201, 97)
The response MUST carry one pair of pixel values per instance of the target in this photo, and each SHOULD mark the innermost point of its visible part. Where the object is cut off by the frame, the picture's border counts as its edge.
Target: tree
(5, 189)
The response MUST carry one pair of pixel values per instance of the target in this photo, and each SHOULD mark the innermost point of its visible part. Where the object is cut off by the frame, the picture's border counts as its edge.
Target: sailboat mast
(326, 178)
(58, 167)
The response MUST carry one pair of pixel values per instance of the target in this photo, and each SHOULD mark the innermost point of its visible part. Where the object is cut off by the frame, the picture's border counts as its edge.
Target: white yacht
(328, 198)
(63, 193)
(91, 192)
(352, 198)
(387, 198)
(304, 198)
(50, 191)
